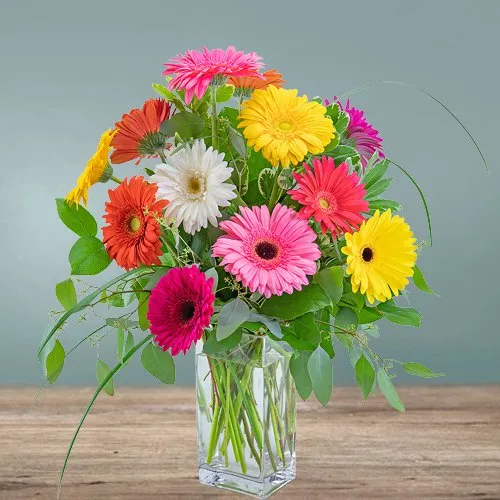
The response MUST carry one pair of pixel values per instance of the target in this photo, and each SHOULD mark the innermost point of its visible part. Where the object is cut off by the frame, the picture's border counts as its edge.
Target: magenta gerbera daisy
(269, 253)
(360, 134)
(180, 307)
(331, 195)
(195, 70)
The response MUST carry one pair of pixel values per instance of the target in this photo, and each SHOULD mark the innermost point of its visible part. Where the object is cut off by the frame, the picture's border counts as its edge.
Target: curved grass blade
(85, 303)
(110, 375)
(421, 196)
(414, 87)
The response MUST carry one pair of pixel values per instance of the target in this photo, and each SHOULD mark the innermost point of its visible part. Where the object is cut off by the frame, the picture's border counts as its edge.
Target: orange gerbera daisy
(139, 133)
(132, 237)
(245, 85)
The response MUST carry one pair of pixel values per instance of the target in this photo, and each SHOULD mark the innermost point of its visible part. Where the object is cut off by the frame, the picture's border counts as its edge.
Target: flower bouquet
(260, 236)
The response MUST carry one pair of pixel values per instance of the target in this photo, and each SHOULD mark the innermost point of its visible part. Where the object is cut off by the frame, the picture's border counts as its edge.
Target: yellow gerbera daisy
(285, 127)
(97, 169)
(380, 256)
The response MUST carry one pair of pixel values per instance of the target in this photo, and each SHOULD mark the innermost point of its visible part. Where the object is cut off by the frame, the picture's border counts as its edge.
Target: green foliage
(342, 153)
(158, 363)
(66, 293)
(420, 370)
(102, 371)
(307, 331)
(321, 373)
(365, 375)
(76, 218)
(345, 319)
(237, 142)
(231, 316)
(285, 179)
(266, 182)
(271, 324)
(289, 306)
(388, 390)
(376, 173)
(378, 188)
(400, 315)
(123, 344)
(419, 280)
(355, 301)
(187, 125)
(54, 362)
(224, 93)
(331, 280)
(212, 273)
(369, 315)
(142, 310)
(383, 205)
(169, 96)
(213, 346)
(300, 373)
(88, 256)
(231, 114)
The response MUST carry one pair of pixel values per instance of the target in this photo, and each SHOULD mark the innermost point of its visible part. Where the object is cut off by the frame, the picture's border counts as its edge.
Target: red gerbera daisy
(139, 134)
(331, 195)
(132, 237)
(180, 307)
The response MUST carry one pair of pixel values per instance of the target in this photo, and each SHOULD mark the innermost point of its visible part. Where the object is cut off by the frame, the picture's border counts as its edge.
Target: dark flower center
(266, 250)
(186, 311)
(367, 254)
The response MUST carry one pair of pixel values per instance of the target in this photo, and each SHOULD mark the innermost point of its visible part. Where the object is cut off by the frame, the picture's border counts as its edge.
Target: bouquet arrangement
(254, 226)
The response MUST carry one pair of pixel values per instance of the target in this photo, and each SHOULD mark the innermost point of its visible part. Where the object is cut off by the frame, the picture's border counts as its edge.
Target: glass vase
(246, 417)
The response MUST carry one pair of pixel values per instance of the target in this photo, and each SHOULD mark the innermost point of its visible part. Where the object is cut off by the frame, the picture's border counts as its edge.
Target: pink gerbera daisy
(271, 253)
(360, 134)
(331, 195)
(195, 70)
(180, 307)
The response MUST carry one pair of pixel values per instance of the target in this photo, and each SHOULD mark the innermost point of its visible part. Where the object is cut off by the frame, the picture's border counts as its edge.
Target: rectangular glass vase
(246, 417)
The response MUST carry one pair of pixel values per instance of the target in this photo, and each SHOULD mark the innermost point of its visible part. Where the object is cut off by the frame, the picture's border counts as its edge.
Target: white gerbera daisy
(192, 180)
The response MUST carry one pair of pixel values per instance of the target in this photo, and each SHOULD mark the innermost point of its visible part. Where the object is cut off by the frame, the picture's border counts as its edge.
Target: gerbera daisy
(361, 135)
(245, 85)
(194, 70)
(380, 256)
(271, 253)
(285, 127)
(193, 181)
(180, 307)
(97, 170)
(331, 195)
(139, 133)
(132, 237)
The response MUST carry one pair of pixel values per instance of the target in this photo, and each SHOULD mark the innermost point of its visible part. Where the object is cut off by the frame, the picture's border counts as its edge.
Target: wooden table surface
(141, 443)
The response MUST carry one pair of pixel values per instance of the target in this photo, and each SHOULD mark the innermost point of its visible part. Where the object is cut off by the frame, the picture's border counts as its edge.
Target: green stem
(171, 249)
(215, 140)
(239, 202)
(276, 191)
(250, 440)
(162, 156)
(116, 179)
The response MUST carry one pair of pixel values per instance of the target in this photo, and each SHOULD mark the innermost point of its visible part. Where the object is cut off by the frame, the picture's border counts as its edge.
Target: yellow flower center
(134, 224)
(285, 126)
(194, 185)
(323, 203)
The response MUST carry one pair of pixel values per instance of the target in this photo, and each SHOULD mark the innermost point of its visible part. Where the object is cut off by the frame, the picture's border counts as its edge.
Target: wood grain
(142, 444)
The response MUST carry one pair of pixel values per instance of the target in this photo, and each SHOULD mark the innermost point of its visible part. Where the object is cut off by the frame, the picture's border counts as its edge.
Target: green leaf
(187, 125)
(266, 182)
(158, 363)
(346, 319)
(368, 315)
(54, 362)
(169, 96)
(66, 293)
(237, 142)
(123, 323)
(300, 373)
(307, 330)
(378, 188)
(231, 114)
(120, 344)
(212, 273)
(102, 371)
(419, 280)
(224, 93)
(420, 370)
(400, 315)
(272, 325)
(384, 205)
(213, 346)
(365, 375)
(231, 316)
(331, 280)
(376, 173)
(388, 390)
(76, 218)
(142, 310)
(321, 373)
(342, 153)
(289, 306)
(285, 179)
(88, 256)
(327, 344)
